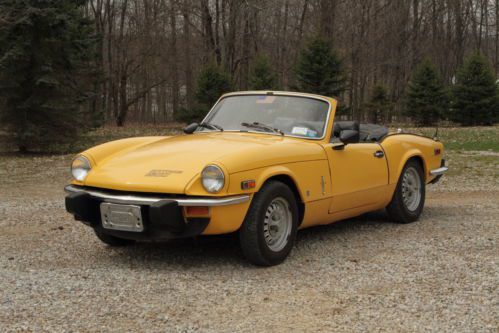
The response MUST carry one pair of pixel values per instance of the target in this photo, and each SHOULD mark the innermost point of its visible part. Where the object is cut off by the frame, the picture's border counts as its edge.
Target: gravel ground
(364, 275)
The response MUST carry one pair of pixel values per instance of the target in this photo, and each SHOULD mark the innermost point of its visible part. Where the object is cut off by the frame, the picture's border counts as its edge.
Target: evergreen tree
(211, 84)
(262, 76)
(46, 69)
(319, 70)
(379, 105)
(426, 98)
(475, 95)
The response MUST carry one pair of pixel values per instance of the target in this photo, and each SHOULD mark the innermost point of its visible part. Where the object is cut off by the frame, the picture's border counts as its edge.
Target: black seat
(344, 125)
(368, 132)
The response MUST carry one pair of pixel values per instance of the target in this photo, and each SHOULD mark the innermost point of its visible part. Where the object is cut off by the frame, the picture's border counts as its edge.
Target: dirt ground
(363, 275)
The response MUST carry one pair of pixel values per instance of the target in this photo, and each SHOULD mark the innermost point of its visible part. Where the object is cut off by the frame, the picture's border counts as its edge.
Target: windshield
(288, 115)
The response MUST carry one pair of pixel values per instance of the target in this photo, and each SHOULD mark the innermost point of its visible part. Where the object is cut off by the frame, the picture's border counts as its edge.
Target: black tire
(252, 234)
(112, 240)
(398, 209)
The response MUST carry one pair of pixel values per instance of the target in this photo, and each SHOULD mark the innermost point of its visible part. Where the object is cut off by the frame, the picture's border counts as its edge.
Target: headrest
(344, 125)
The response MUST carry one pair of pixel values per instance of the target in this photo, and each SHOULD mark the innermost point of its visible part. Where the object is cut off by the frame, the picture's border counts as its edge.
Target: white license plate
(121, 217)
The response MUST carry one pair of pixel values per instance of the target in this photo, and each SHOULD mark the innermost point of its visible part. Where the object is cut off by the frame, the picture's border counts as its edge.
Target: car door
(359, 175)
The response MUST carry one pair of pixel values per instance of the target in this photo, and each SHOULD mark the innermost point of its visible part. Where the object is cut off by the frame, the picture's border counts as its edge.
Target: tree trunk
(174, 61)
(189, 85)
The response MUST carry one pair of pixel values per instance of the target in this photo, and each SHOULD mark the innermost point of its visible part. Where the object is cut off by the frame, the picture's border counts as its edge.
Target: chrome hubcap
(277, 224)
(411, 189)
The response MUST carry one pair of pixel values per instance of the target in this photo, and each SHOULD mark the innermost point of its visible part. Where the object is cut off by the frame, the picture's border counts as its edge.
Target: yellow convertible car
(263, 164)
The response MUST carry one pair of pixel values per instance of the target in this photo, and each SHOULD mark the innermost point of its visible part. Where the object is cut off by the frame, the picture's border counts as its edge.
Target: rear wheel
(112, 240)
(269, 229)
(409, 198)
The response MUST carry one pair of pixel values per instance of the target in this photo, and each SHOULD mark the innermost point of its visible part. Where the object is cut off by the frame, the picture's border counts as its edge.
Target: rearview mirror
(189, 129)
(349, 136)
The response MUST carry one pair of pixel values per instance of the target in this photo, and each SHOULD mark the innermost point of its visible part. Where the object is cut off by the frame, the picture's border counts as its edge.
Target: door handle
(379, 154)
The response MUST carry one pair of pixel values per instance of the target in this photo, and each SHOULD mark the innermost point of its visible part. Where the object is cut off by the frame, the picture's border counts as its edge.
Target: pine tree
(211, 84)
(262, 76)
(426, 98)
(476, 94)
(319, 70)
(46, 69)
(379, 105)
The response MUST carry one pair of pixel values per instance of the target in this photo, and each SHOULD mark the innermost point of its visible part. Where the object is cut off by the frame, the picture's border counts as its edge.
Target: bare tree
(152, 50)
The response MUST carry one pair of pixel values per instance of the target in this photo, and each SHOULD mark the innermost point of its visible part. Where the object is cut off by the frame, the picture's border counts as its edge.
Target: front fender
(105, 151)
(311, 178)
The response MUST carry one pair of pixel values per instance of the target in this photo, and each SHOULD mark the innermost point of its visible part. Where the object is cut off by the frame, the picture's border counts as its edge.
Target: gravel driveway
(364, 275)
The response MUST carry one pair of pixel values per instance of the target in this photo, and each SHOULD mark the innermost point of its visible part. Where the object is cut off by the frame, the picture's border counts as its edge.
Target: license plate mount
(121, 217)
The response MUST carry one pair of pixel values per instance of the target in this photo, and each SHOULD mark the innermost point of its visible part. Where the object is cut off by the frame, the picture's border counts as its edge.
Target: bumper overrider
(161, 216)
(438, 173)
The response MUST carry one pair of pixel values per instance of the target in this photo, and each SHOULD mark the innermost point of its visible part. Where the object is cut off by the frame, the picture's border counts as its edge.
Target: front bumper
(146, 199)
(162, 215)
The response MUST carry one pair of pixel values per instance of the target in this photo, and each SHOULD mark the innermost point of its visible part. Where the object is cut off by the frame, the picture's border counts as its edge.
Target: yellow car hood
(168, 165)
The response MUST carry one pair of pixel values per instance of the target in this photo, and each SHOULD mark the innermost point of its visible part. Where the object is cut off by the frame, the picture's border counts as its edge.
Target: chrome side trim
(146, 200)
(439, 171)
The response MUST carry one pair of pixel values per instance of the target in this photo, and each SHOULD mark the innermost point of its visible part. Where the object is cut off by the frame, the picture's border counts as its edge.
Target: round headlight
(213, 178)
(80, 168)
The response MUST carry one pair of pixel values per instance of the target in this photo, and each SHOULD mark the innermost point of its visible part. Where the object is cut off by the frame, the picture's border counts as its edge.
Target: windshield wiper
(211, 126)
(262, 127)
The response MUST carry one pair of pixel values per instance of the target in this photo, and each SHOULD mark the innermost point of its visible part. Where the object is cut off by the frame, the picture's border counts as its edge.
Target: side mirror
(349, 136)
(189, 129)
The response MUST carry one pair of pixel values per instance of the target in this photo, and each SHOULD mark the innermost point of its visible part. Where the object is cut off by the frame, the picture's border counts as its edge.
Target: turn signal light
(438, 151)
(248, 184)
(197, 211)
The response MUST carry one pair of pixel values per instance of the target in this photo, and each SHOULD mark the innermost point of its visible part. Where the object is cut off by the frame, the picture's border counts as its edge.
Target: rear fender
(400, 148)
(413, 153)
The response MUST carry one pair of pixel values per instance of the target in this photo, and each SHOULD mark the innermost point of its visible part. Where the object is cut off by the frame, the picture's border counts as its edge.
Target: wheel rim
(277, 224)
(411, 189)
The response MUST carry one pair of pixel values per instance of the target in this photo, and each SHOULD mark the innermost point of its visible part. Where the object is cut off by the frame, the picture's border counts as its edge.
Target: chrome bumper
(149, 200)
(439, 171)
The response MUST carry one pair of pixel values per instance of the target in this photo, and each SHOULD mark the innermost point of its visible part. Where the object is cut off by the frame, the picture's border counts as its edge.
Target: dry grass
(464, 138)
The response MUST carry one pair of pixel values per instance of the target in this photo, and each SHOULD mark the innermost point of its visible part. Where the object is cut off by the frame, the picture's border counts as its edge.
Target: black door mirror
(349, 136)
(189, 129)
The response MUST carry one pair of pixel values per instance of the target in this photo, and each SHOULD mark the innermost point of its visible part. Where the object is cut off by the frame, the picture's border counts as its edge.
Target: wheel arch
(290, 182)
(416, 156)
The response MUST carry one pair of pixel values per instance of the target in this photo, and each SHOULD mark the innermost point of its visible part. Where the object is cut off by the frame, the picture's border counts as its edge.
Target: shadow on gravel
(224, 250)
(186, 253)
(370, 220)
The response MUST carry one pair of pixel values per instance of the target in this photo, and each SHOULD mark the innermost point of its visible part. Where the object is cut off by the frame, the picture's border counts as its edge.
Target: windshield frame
(288, 94)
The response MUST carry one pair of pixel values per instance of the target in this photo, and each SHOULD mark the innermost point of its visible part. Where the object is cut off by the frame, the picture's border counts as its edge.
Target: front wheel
(269, 229)
(409, 198)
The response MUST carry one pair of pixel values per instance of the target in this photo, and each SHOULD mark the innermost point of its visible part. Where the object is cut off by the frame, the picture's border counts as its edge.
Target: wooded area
(152, 50)
(71, 65)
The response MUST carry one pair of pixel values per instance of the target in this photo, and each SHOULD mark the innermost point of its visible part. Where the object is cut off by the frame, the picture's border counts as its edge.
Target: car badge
(162, 173)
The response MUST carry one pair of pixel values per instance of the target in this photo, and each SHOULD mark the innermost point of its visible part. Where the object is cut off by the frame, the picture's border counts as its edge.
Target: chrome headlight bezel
(213, 178)
(80, 167)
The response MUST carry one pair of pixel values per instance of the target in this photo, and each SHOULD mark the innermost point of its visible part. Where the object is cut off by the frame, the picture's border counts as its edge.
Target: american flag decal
(265, 99)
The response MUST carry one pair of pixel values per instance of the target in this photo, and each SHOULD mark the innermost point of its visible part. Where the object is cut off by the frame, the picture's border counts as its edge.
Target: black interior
(368, 132)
